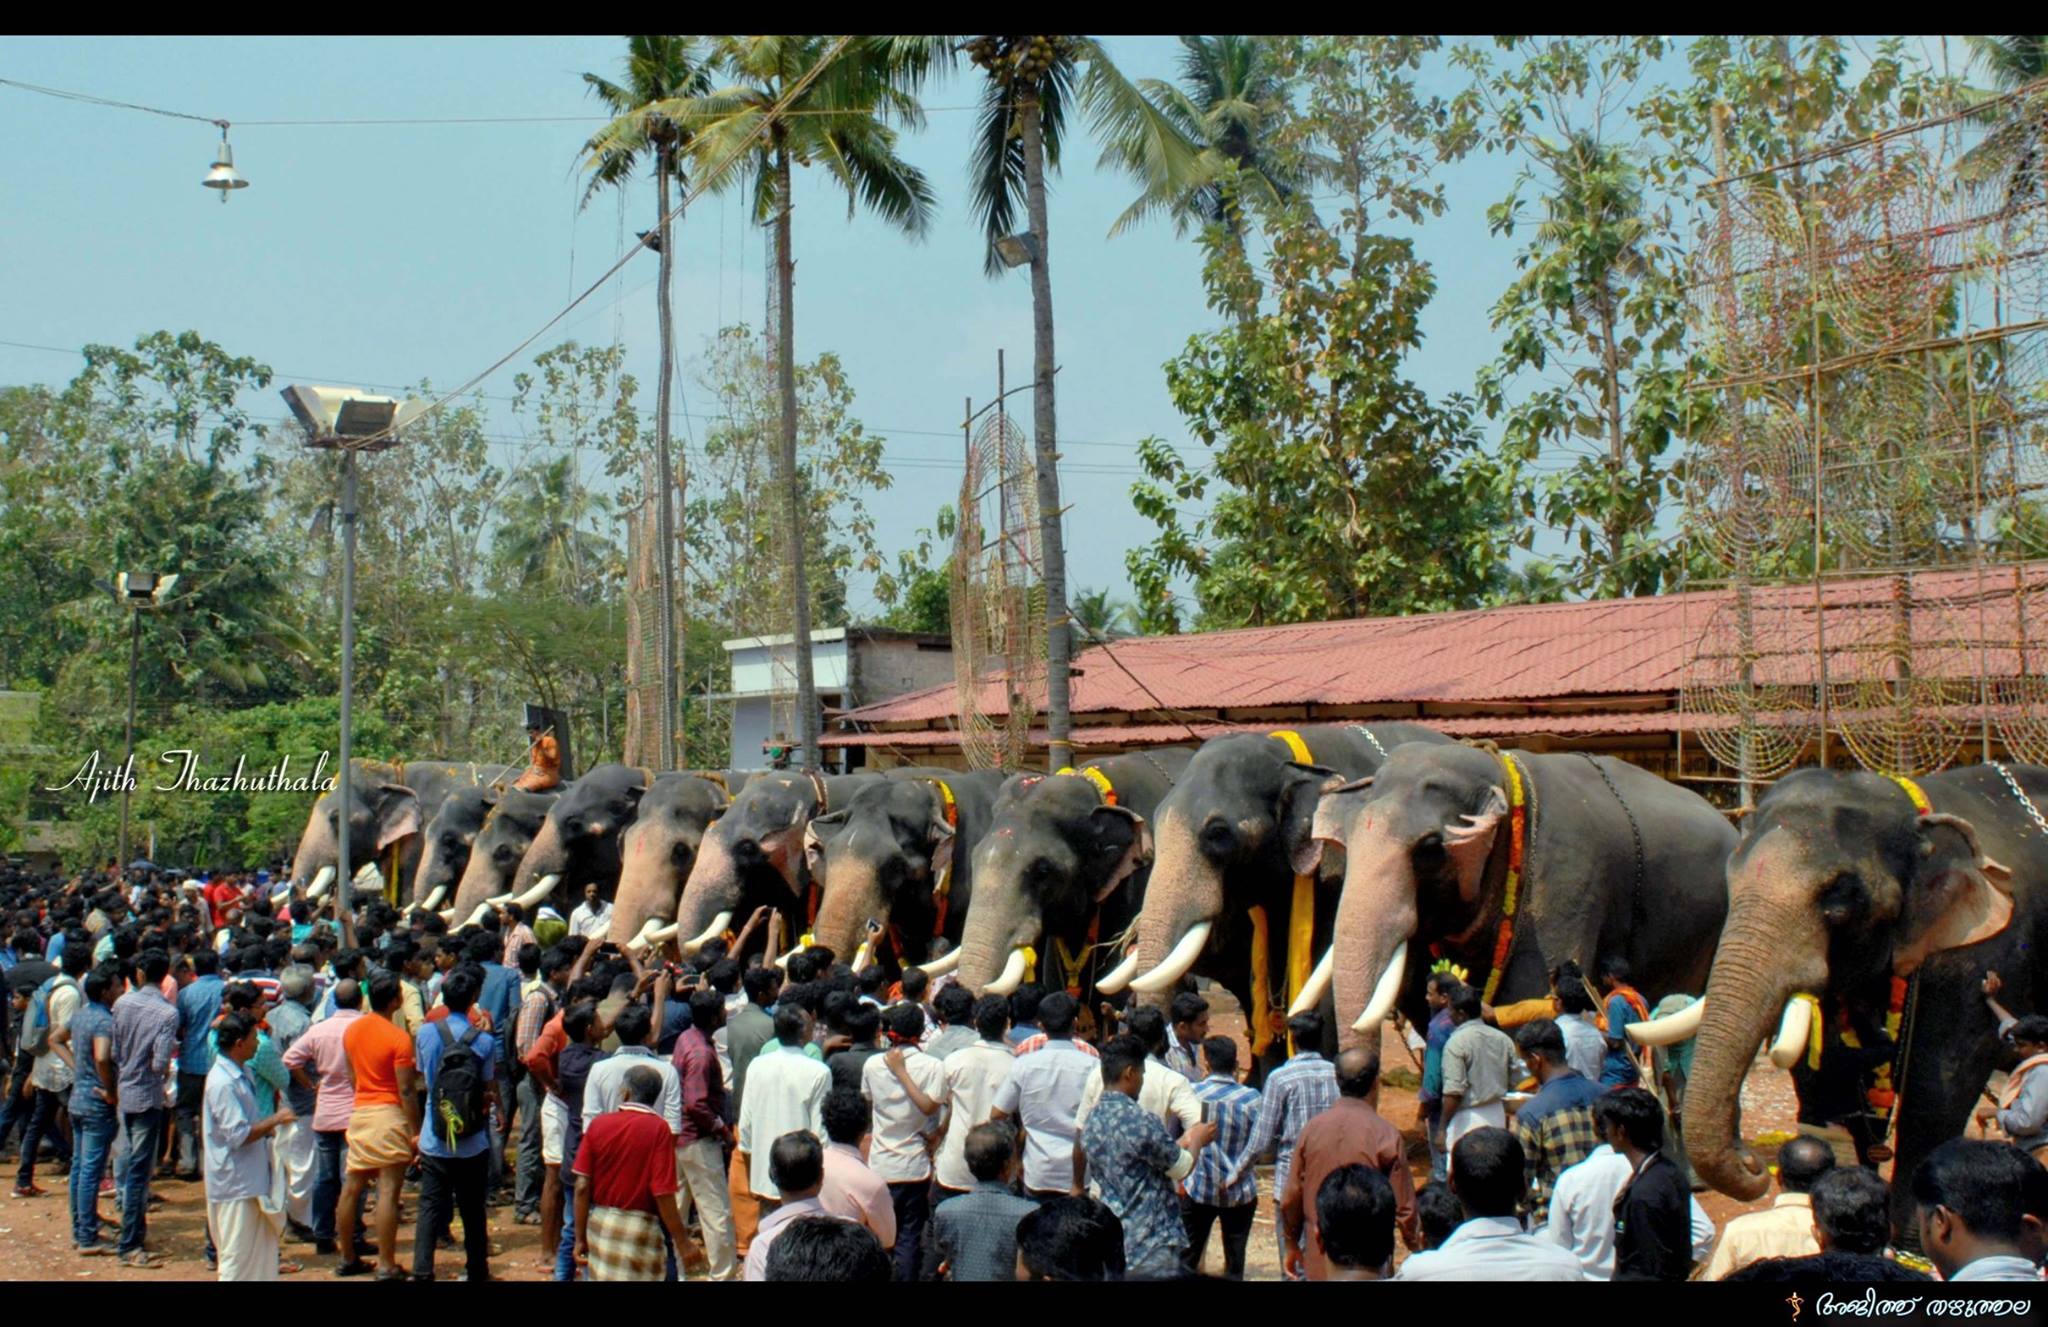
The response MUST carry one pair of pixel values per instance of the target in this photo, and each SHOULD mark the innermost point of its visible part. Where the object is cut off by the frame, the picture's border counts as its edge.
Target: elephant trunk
(1376, 918)
(317, 846)
(435, 871)
(852, 894)
(1002, 919)
(1185, 892)
(547, 855)
(1770, 950)
(713, 887)
(648, 882)
(480, 880)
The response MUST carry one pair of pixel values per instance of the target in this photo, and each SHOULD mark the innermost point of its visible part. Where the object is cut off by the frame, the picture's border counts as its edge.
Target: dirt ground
(36, 1233)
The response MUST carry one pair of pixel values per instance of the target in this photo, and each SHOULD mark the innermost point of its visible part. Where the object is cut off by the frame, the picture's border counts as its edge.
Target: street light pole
(128, 747)
(344, 884)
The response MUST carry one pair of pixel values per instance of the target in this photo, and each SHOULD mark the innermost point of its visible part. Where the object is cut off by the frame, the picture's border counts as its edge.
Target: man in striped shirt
(1296, 1093)
(1207, 1199)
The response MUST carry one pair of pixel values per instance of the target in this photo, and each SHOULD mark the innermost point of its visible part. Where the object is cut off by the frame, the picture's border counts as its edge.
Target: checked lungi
(625, 1246)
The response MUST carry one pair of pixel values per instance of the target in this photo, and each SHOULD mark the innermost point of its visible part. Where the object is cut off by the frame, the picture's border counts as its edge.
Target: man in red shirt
(223, 900)
(627, 1194)
(1350, 1132)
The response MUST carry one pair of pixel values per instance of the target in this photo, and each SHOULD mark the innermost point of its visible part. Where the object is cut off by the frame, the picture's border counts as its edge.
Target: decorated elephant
(753, 855)
(661, 846)
(1229, 899)
(1061, 873)
(1853, 888)
(1508, 863)
(579, 840)
(510, 828)
(900, 853)
(389, 805)
(444, 854)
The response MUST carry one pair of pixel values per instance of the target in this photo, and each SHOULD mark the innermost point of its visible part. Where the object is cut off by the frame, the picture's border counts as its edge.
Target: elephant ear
(943, 838)
(1123, 831)
(398, 813)
(1332, 821)
(1469, 841)
(1957, 897)
(818, 838)
(1298, 802)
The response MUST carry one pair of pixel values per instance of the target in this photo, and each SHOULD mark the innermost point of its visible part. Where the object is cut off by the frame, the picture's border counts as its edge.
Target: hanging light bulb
(223, 176)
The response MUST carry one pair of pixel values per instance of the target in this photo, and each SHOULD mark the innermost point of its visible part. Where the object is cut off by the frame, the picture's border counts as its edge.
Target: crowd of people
(326, 1078)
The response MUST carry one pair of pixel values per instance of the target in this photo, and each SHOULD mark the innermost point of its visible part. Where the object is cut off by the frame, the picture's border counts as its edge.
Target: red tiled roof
(1527, 653)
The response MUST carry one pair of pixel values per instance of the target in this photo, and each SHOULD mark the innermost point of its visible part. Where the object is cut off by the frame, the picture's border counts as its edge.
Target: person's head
(870, 980)
(1148, 1025)
(296, 982)
(915, 982)
(1630, 1120)
(590, 892)
(482, 948)
(1024, 1004)
(1054, 1013)
(724, 975)
(1466, 1003)
(1614, 972)
(2029, 1036)
(236, 1035)
(1486, 1172)
(385, 993)
(1568, 980)
(823, 1250)
(581, 1024)
(991, 1015)
(1190, 1017)
(954, 1006)
(1436, 990)
(153, 964)
(1972, 1197)
(205, 963)
(1070, 1239)
(904, 1023)
(103, 985)
(796, 1163)
(1852, 1210)
(707, 1011)
(460, 987)
(348, 994)
(792, 1023)
(1123, 1064)
(848, 1117)
(762, 983)
(77, 956)
(641, 1085)
(1541, 1042)
(1801, 1163)
(864, 1022)
(1219, 1056)
(806, 964)
(528, 959)
(992, 1152)
(634, 1026)
(1439, 1212)
(1355, 1219)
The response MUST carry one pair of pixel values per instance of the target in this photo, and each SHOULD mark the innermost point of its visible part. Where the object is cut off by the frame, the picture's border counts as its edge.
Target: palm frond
(995, 170)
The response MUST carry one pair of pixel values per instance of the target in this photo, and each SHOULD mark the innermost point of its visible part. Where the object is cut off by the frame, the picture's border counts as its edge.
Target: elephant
(389, 805)
(752, 856)
(901, 852)
(579, 840)
(1062, 871)
(1847, 886)
(1614, 861)
(659, 848)
(510, 828)
(445, 853)
(1229, 836)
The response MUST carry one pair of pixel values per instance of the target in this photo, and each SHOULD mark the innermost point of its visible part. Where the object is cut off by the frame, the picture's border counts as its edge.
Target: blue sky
(381, 254)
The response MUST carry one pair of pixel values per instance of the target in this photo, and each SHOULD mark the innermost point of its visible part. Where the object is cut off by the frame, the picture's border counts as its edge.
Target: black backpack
(458, 1106)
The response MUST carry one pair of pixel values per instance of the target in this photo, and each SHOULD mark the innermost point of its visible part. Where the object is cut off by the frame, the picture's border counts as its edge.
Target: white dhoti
(1493, 1114)
(701, 1182)
(245, 1239)
(297, 1148)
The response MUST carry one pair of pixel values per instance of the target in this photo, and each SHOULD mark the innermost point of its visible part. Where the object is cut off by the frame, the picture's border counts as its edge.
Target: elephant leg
(1946, 1067)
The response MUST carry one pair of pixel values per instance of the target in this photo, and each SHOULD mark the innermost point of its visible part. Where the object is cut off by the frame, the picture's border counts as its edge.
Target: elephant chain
(2033, 812)
(1634, 831)
(1366, 733)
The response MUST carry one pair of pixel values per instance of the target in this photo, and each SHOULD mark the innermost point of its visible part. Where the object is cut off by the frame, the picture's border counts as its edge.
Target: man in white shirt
(1043, 1093)
(1582, 1212)
(605, 1090)
(906, 1088)
(1486, 1176)
(974, 1074)
(1165, 1091)
(593, 916)
(785, 1093)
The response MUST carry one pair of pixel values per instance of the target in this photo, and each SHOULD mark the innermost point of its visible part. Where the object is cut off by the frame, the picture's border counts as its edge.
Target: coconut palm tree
(660, 71)
(788, 102)
(547, 541)
(1029, 85)
(2015, 143)
(1230, 95)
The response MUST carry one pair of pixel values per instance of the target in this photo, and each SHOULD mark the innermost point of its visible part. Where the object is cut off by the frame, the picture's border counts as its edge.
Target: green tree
(661, 72)
(792, 101)
(547, 542)
(2014, 149)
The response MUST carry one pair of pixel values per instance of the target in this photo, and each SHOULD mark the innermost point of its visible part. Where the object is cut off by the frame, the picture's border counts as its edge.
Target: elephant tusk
(942, 965)
(447, 915)
(500, 900)
(1177, 963)
(1674, 1028)
(1011, 977)
(1119, 976)
(1317, 983)
(644, 938)
(861, 956)
(710, 933)
(432, 900)
(321, 881)
(541, 889)
(367, 876)
(1792, 1032)
(1384, 994)
(476, 918)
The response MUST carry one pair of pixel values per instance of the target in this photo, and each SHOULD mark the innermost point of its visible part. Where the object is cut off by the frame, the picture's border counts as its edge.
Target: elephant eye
(1843, 898)
(1431, 842)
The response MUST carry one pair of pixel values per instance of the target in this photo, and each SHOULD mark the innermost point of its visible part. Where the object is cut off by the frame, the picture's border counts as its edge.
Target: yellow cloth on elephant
(1524, 1011)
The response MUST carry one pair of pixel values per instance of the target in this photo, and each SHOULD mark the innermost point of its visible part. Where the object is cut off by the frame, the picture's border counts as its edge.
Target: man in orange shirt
(384, 1127)
(544, 769)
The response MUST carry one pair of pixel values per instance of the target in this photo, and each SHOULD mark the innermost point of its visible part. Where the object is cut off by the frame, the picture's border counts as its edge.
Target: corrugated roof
(1527, 653)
